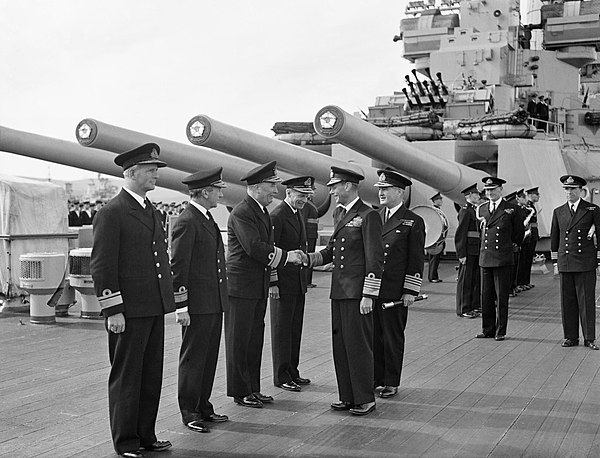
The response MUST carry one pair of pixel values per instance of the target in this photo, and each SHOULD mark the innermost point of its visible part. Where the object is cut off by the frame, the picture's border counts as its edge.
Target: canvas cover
(29, 208)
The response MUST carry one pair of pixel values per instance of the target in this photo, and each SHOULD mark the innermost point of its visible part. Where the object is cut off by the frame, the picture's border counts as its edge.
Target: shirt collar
(137, 197)
(351, 204)
(575, 204)
(202, 210)
(294, 210)
(394, 209)
(258, 203)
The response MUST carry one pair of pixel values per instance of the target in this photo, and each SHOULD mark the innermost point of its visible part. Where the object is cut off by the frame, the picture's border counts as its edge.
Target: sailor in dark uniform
(403, 244)
(132, 278)
(501, 232)
(512, 198)
(466, 240)
(251, 261)
(85, 215)
(200, 285)
(434, 259)
(356, 250)
(530, 242)
(577, 257)
(287, 294)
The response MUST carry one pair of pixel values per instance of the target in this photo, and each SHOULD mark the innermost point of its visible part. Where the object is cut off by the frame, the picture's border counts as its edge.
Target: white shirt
(393, 210)
(137, 197)
(350, 205)
(574, 205)
(202, 210)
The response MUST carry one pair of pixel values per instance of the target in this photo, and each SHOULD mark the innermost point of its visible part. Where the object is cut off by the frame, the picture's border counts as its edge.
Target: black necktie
(572, 208)
(387, 215)
(148, 207)
(492, 208)
(338, 214)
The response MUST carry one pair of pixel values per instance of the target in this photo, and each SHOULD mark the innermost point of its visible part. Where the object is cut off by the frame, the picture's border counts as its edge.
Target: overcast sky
(151, 65)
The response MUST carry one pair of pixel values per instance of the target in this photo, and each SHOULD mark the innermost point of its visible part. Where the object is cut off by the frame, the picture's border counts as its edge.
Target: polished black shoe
(342, 405)
(302, 381)
(591, 345)
(289, 386)
(389, 391)
(136, 454)
(363, 409)
(158, 446)
(468, 315)
(263, 397)
(570, 343)
(499, 338)
(216, 418)
(248, 401)
(198, 426)
(483, 335)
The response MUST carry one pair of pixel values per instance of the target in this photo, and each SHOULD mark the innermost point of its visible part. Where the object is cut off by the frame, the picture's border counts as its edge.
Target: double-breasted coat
(466, 241)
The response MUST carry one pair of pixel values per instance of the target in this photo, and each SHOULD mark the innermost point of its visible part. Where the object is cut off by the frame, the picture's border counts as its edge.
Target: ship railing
(550, 128)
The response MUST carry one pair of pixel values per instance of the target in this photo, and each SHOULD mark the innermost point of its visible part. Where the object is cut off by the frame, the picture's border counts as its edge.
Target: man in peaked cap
(530, 242)
(252, 263)
(434, 259)
(287, 294)
(502, 231)
(132, 278)
(356, 250)
(466, 240)
(200, 285)
(403, 245)
(574, 253)
(516, 198)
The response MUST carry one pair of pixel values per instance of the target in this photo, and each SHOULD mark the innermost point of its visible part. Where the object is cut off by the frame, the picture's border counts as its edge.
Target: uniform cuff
(413, 283)
(371, 286)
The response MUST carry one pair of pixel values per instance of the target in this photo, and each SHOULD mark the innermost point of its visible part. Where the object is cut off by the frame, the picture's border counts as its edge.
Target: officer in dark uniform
(512, 199)
(85, 215)
(466, 240)
(288, 293)
(356, 250)
(502, 232)
(132, 278)
(311, 219)
(404, 243)
(200, 285)
(252, 259)
(74, 220)
(574, 252)
(434, 259)
(530, 242)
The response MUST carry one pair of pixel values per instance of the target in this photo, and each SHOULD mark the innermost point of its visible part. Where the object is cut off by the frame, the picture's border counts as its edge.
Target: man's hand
(274, 292)
(295, 257)
(183, 318)
(408, 299)
(462, 260)
(366, 305)
(116, 323)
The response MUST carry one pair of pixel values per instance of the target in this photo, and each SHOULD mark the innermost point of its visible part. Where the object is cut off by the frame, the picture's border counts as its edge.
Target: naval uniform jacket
(466, 237)
(500, 232)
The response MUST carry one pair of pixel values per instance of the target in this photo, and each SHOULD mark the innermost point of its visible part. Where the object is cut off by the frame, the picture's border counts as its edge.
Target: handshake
(297, 257)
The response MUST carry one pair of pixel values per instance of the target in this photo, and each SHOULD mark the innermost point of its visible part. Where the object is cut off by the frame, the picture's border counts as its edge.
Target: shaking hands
(297, 257)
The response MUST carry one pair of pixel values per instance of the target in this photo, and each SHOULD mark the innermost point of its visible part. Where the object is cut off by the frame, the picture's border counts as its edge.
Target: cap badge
(154, 154)
(489, 181)
(570, 180)
(307, 182)
(331, 174)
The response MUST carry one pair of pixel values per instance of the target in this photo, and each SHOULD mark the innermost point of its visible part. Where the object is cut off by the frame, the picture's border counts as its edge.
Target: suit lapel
(497, 212)
(204, 221)
(292, 217)
(394, 221)
(347, 217)
(265, 219)
(136, 210)
(579, 213)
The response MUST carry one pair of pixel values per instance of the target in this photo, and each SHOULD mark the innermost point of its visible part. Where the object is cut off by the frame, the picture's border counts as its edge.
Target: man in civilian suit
(574, 253)
(466, 240)
(200, 285)
(404, 248)
(288, 293)
(251, 257)
(132, 278)
(356, 250)
(502, 232)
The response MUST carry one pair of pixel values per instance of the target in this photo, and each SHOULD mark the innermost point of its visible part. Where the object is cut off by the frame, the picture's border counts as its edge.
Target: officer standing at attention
(252, 258)
(132, 278)
(404, 257)
(356, 250)
(434, 259)
(466, 240)
(200, 285)
(502, 232)
(288, 293)
(530, 242)
(573, 250)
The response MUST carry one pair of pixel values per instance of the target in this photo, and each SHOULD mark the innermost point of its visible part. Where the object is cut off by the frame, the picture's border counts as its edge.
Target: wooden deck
(459, 396)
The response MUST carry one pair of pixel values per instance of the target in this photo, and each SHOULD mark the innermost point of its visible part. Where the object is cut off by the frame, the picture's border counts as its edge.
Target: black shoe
(312, 285)
(499, 338)
(483, 335)
(590, 344)
(136, 454)
(389, 391)
(216, 418)
(570, 343)
(289, 386)
(468, 315)
(363, 409)
(158, 446)
(302, 381)
(263, 397)
(198, 426)
(248, 401)
(342, 405)
(435, 281)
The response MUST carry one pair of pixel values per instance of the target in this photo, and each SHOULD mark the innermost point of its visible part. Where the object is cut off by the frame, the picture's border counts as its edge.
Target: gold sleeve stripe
(110, 300)
(276, 259)
(181, 296)
(315, 259)
(371, 286)
(413, 283)
(554, 255)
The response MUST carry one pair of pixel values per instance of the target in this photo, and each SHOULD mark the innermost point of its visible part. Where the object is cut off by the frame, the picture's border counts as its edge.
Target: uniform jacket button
(159, 275)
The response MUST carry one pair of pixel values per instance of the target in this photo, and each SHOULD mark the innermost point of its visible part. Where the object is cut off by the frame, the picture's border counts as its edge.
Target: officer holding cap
(132, 278)
(574, 253)
(200, 285)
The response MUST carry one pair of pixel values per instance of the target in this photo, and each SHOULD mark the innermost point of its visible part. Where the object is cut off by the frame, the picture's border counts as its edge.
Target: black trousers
(244, 338)
(578, 303)
(135, 382)
(468, 286)
(495, 287)
(434, 262)
(287, 317)
(311, 245)
(515, 269)
(526, 261)
(388, 343)
(352, 335)
(197, 365)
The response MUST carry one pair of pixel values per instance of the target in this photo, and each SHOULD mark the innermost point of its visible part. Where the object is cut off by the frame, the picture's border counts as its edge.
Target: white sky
(151, 65)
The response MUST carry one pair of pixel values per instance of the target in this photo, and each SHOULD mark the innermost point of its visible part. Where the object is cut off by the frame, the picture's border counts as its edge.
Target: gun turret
(419, 85)
(448, 176)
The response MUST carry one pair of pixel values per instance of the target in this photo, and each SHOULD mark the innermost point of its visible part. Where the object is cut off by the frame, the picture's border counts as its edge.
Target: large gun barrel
(187, 158)
(449, 177)
(204, 131)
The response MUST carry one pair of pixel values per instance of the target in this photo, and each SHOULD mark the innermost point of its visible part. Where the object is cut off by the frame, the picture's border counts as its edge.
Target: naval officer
(132, 278)
(530, 242)
(573, 251)
(200, 285)
(434, 259)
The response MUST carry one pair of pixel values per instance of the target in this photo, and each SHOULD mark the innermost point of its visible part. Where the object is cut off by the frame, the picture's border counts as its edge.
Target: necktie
(387, 215)
(572, 209)
(492, 208)
(338, 214)
(148, 207)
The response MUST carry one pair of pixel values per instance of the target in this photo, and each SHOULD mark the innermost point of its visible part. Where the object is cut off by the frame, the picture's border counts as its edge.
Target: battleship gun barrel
(410, 104)
(449, 177)
(429, 94)
(97, 134)
(204, 131)
(419, 85)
